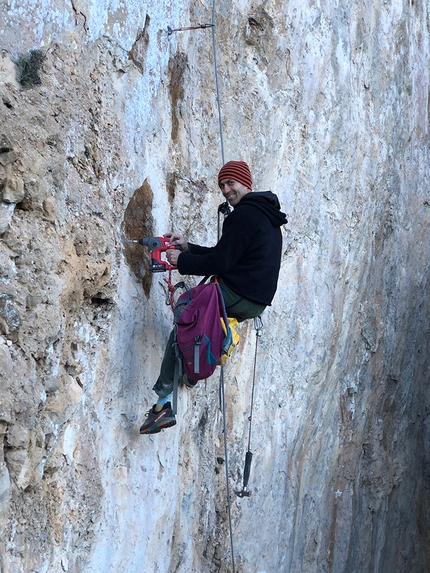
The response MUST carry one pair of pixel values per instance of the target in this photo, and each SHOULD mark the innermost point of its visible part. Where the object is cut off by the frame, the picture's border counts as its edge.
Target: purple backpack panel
(199, 336)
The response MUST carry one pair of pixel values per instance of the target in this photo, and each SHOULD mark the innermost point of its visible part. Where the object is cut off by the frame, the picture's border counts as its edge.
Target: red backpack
(200, 337)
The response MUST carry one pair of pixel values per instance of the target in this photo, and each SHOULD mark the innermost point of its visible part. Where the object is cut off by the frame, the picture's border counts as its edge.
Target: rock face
(109, 129)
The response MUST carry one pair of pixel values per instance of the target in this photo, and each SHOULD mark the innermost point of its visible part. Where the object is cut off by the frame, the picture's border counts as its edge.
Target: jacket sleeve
(220, 259)
(199, 250)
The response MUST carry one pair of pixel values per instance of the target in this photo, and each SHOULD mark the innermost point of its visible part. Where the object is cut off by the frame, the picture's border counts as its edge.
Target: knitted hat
(237, 170)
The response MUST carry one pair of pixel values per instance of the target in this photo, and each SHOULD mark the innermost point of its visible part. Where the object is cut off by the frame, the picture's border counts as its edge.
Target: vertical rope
(223, 410)
(226, 467)
(222, 394)
(217, 84)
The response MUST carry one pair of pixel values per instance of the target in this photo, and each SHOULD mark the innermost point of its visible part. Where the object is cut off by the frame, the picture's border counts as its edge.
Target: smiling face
(233, 191)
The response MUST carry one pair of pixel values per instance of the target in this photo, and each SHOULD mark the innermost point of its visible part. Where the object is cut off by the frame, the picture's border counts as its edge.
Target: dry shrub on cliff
(29, 66)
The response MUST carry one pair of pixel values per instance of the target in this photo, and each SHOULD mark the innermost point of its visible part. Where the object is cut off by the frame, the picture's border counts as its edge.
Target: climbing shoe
(188, 382)
(157, 421)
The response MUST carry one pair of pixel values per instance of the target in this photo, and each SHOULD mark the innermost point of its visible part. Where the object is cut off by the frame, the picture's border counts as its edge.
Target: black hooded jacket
(248, 255)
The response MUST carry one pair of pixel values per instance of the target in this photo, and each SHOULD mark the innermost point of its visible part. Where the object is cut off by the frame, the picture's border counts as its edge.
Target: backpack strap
(226, 326)
(177, 375)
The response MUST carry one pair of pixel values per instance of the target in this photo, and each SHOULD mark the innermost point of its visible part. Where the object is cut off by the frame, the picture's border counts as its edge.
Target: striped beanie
(237, 170)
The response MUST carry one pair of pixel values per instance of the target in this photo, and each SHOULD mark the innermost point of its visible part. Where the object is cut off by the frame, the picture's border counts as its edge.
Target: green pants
(236, 306)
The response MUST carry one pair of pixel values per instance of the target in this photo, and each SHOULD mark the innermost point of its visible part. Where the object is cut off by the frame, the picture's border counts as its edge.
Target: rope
(217, 84)
(222, 394)
(226, 466)
(224, 209)
(223, 410)
(170, 291)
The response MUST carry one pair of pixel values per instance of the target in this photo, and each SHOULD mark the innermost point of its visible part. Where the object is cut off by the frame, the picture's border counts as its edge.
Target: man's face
(233, 191)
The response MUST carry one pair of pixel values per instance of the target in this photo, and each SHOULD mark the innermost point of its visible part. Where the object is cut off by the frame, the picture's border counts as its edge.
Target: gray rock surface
(109, 128)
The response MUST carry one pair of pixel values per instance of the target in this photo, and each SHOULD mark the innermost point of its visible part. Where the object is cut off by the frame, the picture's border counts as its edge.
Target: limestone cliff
(109, 128)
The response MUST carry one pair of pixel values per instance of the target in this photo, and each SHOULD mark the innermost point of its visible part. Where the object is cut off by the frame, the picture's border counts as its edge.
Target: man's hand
(172, 256)
(177, 240)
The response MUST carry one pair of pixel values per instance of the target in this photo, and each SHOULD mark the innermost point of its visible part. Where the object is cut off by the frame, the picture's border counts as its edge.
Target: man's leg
(239, 307)
(161, 416)
(164, 385)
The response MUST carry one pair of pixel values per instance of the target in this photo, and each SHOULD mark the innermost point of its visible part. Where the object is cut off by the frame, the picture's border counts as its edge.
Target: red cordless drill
(158, 245)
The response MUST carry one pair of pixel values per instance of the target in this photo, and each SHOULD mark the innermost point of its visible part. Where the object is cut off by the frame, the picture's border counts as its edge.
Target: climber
(246, 261)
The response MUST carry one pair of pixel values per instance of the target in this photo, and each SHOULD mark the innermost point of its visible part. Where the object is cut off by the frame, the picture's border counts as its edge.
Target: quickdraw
(170, 30)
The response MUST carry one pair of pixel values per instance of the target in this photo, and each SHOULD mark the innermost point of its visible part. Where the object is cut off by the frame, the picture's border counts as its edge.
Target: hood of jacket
(268, 203)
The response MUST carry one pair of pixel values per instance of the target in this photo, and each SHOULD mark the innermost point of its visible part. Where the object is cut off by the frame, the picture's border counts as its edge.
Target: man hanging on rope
(246, 261)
